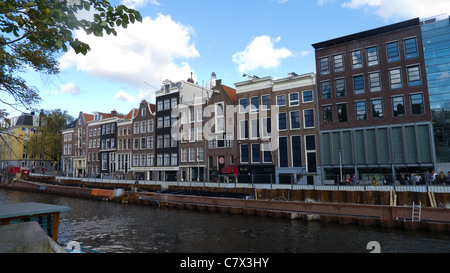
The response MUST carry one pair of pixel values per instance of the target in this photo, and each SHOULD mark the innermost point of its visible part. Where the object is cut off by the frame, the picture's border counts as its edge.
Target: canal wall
(306, 205)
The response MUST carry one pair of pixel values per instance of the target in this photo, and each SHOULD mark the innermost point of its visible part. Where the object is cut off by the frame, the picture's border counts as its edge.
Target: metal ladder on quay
(416, 212)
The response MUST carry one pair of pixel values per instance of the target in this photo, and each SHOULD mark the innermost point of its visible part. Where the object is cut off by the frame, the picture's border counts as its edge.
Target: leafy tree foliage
(35, 32)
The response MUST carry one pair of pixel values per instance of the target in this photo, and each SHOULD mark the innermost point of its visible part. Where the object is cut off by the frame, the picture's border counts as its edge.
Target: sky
(228, 37)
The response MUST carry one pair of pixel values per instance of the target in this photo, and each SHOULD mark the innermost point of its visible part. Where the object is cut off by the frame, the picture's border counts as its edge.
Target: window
(143, 143)
(414, 76)
(159, 160)
(377, 109)
(254, 128)
(150, 125)
(143, 112)
(174, 102)
(167, 121)
(199, 115)
(149, 159)
(265, 102)
(417, 107)
(267, 152)
(136, 127)
(281, 100)
(243, 106)
(293, 99)
(256, 153)
(150, 143)
(296, 151)
(411, 48)
(184, 154)
(361, 113)
(166, 159)
(295, 120)
(374, 82)
(324, 66)
(160, 105)
(395, 78)
(201, 154)
(309, 118)
(192, 115)
(311, 159)
(307, 96)
(266, 127)
(325, 89)
(244, 153)
(283, 151)
(327, 114)
(174, 159)
(342, 112)
(282, 121)
(243, 129)
(135, 144)
(392, 52)
(192, 154)
(372, 56)
(356, 59)
(143, 160)
(160, 123)
(166, 104)
(358, 84)
(254, 104)
(338, 63)
(143, 126)
(191, 134)
(160, 141)
(398, 106)
(339, 86)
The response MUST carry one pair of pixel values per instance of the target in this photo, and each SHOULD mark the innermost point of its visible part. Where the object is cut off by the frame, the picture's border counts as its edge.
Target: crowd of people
(428, 178)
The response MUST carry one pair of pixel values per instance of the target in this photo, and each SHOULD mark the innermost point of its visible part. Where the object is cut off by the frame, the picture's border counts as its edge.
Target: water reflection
(111, 227)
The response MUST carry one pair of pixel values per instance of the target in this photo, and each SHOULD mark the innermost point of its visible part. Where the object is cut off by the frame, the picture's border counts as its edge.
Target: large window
(325, 89)
(254, 128)
(374, 82)
(342, 112)
(265, 102)
(254, 104)
(356, 59)
(256, 153)
(398, 106)
(339, 86)
(372, 56)
(338, 63)
(307, 96)
(309, 118)
(377, 109)
(295, 120)
(282, 121)
(417, 107)
(395, 78)
(361, 113)
(243, 105)
(294, 99)
(283, 151)
(296, 151)
(324, 66)
(414, 75)
(327, 114)
(281, 100)
(392, 52)
(411, 48)
(243, 129)
(244, 153)
(358, 84)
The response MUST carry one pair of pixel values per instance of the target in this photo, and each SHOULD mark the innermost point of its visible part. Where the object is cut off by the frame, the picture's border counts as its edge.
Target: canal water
(119, 228)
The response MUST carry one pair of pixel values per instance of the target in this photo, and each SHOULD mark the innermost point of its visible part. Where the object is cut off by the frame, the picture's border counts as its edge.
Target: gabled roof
(88, 117)
(132, 114)
(231, 93)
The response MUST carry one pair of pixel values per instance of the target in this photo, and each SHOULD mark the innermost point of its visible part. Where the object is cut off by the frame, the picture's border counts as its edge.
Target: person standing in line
(427, 178)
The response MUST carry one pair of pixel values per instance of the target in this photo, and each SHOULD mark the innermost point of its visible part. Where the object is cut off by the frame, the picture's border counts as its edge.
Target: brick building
(373, 103)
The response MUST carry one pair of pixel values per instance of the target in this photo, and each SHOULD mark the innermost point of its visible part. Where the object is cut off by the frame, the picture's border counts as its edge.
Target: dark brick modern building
(373, 103)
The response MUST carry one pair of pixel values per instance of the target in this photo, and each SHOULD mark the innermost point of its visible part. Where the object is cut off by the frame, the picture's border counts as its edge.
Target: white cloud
(123, 96)
(400, 9)
(70, 88)
(150, 51)
(133, 4)
(260, 53)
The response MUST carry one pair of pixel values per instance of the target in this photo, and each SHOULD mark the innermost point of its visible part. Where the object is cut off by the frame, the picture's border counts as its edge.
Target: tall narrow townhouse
(143, 141)
(220, 133)
(108, 146)
(68, 137)
(297, 128)
(80, 139)
(375, 118)
(124, 145)
(94, 129)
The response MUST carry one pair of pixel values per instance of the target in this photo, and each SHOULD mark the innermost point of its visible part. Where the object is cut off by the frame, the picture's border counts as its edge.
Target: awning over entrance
(229, 170)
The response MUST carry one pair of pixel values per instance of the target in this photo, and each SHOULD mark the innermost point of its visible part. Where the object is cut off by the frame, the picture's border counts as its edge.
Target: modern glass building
(436, 43)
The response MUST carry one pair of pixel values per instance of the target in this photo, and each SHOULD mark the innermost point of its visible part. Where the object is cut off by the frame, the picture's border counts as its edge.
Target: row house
(373, 103)
(277, 130)
(141, 144)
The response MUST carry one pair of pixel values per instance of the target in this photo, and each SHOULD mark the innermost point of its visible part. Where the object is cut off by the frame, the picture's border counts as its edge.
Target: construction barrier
(105, 193)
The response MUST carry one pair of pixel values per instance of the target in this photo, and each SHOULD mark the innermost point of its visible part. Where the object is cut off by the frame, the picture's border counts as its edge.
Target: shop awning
(229, 170)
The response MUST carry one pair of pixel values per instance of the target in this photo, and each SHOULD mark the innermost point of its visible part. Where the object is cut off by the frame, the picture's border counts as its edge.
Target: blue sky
(257, 37)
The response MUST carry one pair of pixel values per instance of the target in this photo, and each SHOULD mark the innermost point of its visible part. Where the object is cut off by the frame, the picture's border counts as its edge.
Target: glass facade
(436, 41)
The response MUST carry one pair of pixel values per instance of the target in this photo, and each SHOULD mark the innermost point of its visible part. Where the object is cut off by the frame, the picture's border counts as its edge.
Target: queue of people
(428, 178)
